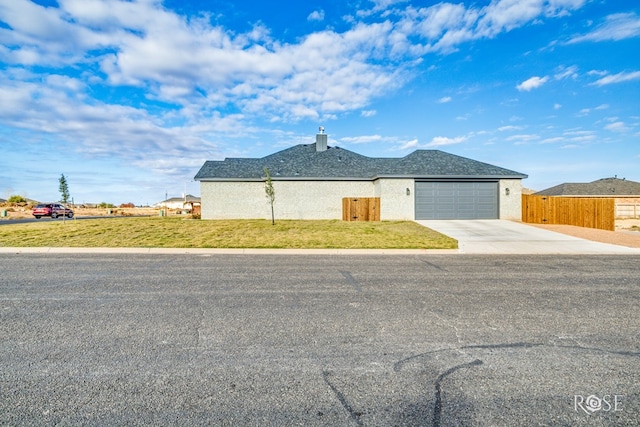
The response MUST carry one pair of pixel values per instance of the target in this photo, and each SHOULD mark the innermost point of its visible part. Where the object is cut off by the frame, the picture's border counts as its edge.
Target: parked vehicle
(53, 210)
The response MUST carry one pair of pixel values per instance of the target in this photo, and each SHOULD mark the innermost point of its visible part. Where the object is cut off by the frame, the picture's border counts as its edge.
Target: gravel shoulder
(623, 236)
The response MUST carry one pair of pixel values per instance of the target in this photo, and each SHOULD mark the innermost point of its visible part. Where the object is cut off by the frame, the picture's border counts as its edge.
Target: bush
(128, 205)
(17, 199)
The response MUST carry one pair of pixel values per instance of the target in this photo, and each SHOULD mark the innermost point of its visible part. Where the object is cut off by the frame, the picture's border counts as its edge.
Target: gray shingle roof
(602, 187)
(304, 162)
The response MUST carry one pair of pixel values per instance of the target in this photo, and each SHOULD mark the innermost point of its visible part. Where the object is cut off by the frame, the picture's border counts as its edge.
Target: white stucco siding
(395, 204)
(233, 200)
(316, 199)
(323, 199)
(510, 204)
(294, 199)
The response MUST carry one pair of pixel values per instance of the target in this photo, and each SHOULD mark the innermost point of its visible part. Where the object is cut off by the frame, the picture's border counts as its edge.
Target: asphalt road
(436, 340)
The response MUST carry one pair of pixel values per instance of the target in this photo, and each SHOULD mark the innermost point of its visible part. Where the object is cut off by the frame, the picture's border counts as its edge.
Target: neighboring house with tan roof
(184, 202)
(605, 187)
(311, 180)
(625, 192)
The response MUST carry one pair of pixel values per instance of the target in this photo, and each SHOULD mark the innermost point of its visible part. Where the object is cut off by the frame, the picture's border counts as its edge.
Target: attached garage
(456, 200)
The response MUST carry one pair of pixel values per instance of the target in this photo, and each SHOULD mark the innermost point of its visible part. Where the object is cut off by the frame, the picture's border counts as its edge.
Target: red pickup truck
(53, 210)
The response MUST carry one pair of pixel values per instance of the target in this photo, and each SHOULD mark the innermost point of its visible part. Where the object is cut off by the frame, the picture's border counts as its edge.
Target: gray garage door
(456, 200)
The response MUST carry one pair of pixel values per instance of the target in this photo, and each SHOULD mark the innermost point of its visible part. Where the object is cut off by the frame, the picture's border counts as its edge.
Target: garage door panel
(456, 200)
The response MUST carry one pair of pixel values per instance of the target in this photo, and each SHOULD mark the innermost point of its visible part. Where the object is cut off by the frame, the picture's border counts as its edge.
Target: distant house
(605, 187)
(625, 192)
(311, 181)
(185, 202)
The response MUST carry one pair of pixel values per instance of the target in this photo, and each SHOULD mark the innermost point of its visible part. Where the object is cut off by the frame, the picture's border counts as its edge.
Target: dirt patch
(628, 224)
(20, 212)
(627, 232)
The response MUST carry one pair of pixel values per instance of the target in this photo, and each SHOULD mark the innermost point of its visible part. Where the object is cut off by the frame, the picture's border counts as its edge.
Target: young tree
(270, 192)
(64, 189)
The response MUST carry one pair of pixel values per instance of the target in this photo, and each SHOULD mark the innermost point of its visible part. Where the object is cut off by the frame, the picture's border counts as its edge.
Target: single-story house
(625, 192)
(605, 187)
(311, 181)
(185, 202)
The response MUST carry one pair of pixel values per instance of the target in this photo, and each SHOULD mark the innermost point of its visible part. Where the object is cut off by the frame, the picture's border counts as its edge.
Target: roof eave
(286, 178)
(444, 177)
(360, 178)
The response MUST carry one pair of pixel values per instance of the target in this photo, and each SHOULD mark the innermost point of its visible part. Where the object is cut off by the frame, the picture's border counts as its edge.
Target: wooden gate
(591, 212)
(361, 209)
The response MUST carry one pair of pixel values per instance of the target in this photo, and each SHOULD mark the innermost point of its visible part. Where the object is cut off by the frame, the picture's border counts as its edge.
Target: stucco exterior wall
(510, 204)
(323, 199)
(395, 204)
(294, 199)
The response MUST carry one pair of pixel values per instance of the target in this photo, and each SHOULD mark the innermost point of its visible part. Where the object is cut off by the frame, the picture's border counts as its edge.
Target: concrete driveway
(494, 236)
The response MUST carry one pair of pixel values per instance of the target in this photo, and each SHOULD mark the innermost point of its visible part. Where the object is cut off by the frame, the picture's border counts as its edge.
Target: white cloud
(506, 15)
(566, 72)
(552, 140)
(368, 113)
(509, 128)
(439, 141)
(92, 129)
(65, 83)
(617, 127)
(532, 83)
(316, 15)
(409, 144)
(617, 78)
(616, 27)
(379, 6)
(445, 99)
(180, 59)
(580, 135)
(557, 106)
(597, 73)
(444, 26)
(362, 139)
(522, 138)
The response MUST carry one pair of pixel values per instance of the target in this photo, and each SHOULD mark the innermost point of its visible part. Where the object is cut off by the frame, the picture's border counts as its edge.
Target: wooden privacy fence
(591, 212)
(361, 209)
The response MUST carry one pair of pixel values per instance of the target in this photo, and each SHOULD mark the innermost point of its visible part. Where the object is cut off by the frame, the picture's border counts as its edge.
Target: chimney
(321, 140)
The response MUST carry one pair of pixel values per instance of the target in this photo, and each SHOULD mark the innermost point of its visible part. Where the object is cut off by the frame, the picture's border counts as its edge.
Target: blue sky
(127, 99)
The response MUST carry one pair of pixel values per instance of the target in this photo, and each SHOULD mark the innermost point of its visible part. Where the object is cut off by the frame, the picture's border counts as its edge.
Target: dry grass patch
(180, 233)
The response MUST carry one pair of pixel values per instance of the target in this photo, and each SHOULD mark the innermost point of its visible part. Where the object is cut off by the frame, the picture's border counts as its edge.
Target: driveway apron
(494, 236)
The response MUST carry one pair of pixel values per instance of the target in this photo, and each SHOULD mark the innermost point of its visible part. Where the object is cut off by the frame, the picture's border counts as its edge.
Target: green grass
(179, 233)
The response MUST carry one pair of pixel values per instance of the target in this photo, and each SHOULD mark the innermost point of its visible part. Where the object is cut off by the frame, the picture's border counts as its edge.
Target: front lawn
(163, 232)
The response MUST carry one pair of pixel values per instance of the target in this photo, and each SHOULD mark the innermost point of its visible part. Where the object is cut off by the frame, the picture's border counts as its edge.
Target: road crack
(451, 325)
